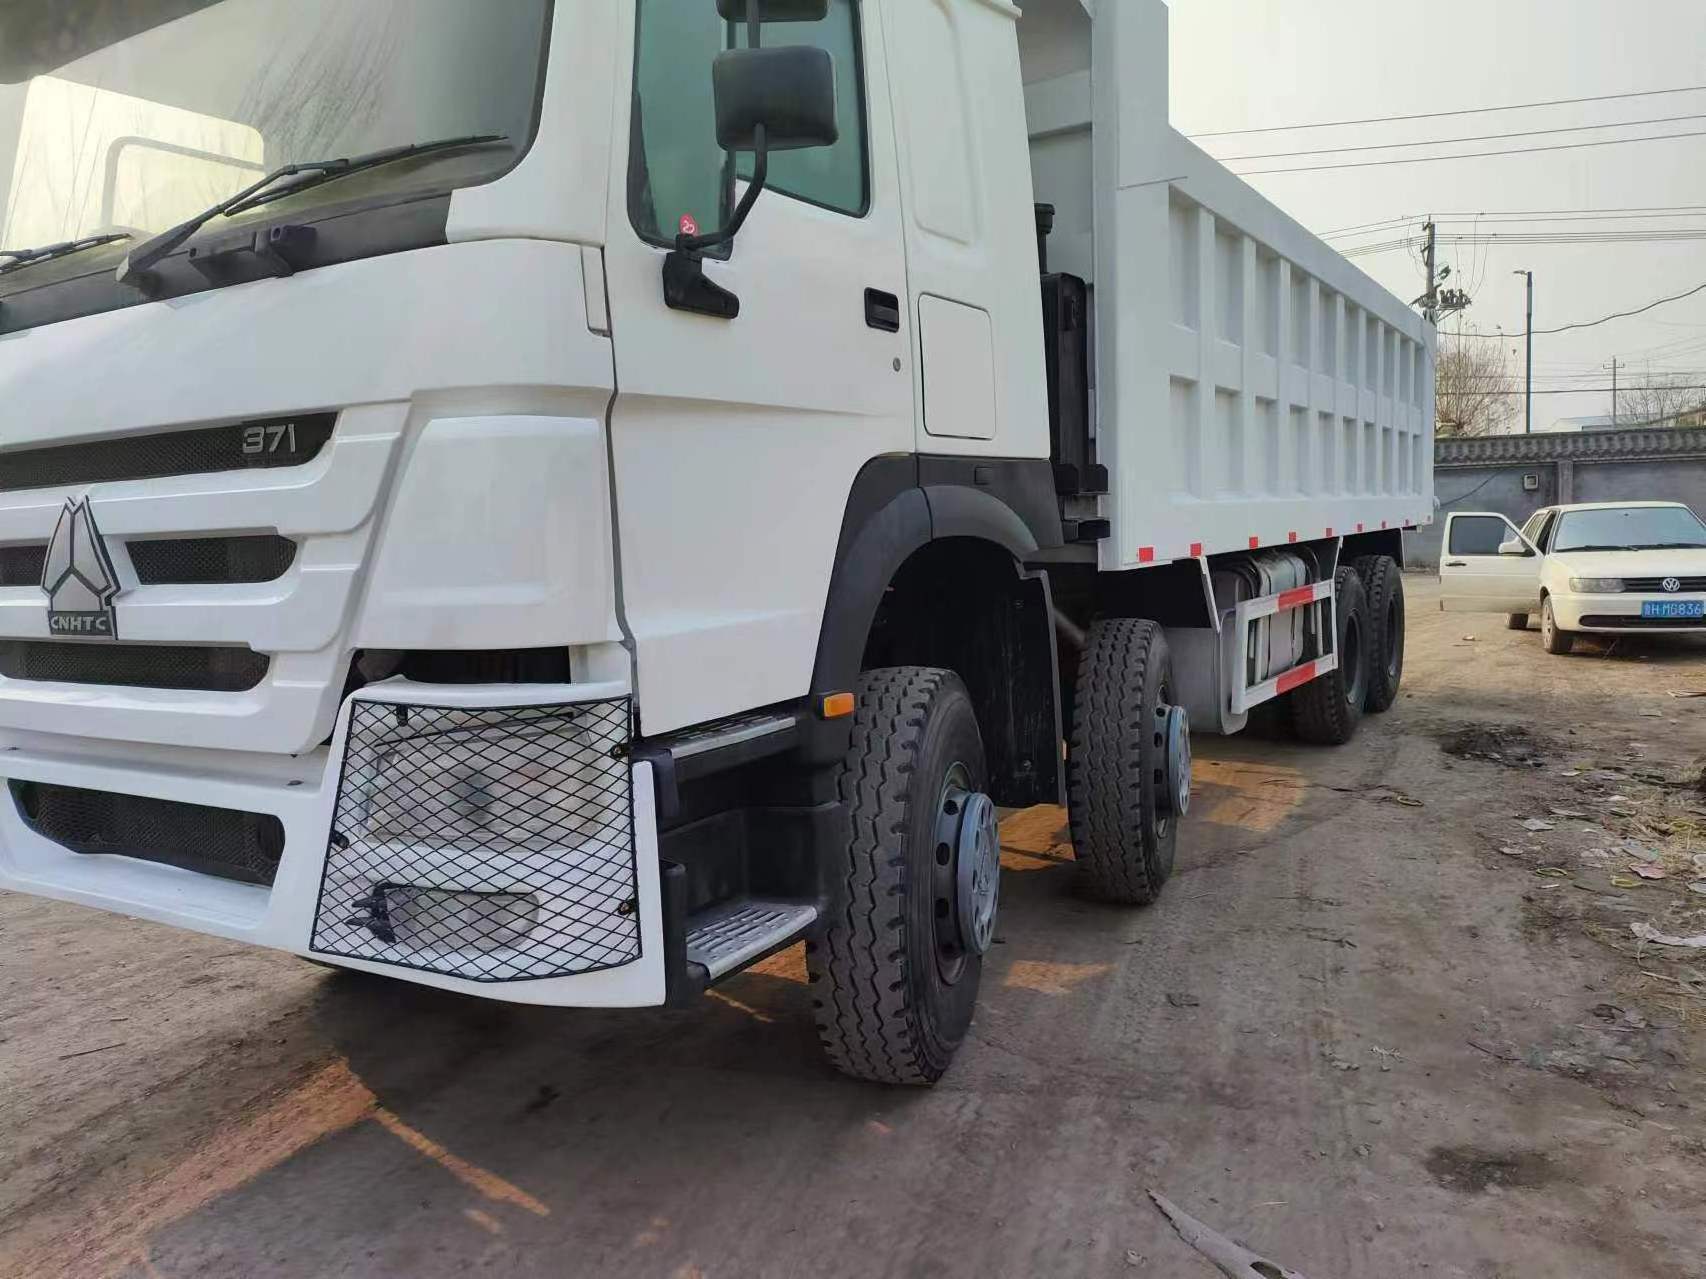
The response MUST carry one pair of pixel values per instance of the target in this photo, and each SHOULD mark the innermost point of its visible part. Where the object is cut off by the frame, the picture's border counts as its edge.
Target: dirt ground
(1375, 1027)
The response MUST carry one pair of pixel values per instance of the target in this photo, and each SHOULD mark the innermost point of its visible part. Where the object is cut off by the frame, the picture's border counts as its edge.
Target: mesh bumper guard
(492, 845)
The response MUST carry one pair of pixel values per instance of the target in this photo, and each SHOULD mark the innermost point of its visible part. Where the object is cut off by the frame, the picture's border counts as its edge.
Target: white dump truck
(557, 502)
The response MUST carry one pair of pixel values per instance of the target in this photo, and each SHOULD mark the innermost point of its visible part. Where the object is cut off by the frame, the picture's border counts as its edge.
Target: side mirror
(1516, 546)
(775, 10)
(766, 100)
(775, 99)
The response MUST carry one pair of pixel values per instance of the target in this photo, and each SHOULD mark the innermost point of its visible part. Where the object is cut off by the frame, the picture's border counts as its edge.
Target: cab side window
(834, 177)
(679, 180)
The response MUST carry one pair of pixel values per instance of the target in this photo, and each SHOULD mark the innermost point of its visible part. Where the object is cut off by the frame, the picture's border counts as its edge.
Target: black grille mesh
(240, 446)
(22, 565)
(200, 561)
(492, 845)
(183, 667)
(226, 842)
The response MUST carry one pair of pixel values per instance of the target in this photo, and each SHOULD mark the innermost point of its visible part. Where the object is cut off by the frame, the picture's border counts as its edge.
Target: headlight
(1596, 585)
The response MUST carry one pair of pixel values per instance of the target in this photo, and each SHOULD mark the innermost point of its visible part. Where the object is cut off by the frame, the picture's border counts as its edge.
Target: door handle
(1456, 564)
(882, 311)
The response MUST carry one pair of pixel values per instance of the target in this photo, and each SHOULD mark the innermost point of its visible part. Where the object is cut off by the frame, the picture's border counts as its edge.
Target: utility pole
(1614, 392)
(1430, 305)
(1528, 395)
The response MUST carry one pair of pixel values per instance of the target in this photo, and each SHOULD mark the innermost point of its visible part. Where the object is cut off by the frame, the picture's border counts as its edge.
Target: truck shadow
(669, 1142)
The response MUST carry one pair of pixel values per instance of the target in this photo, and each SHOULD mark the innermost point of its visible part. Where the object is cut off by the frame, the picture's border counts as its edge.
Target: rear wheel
(1517, 621)
(1128, 763)
(1384, 585)
(896, 966)
(1552, 638)
(1327, 709)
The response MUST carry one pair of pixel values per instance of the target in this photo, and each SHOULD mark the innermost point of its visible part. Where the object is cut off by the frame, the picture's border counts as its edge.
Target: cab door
(736, 441)
(1487, 566)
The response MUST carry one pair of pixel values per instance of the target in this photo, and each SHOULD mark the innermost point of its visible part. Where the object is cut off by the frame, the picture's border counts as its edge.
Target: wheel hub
(968, 831)
(1178, 762)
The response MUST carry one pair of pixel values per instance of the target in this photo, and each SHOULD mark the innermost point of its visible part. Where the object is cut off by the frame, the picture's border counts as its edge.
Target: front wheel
(896, 965)
(1517, 621)
(1553, 638)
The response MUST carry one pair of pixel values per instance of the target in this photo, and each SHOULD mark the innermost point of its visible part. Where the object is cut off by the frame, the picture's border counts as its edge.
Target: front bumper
(590, 933)
(1621, 614)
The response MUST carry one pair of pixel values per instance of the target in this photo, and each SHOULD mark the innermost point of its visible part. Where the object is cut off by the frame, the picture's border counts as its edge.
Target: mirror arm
(754, 188)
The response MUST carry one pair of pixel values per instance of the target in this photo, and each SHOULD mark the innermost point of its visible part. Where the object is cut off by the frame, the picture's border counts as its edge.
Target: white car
(1613, 568)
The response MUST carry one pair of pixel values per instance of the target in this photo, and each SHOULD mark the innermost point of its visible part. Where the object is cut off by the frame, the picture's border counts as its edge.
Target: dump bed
(1251, 387)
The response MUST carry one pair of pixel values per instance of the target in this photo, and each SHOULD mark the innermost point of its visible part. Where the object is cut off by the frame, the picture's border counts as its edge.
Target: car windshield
(1630, 528)
(132, 117)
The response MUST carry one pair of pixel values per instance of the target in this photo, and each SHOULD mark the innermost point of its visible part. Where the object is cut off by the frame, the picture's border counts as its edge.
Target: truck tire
(1124, 826)
(894, 978)
(1327, 710)
(1383, 583)
(1517, 622)
(1553, 638)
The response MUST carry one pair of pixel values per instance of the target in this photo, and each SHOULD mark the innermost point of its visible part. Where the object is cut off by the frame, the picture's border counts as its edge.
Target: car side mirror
(766, 100)
(1516, 546)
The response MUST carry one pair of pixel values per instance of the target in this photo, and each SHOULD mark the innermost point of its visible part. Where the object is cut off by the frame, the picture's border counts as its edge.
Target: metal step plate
(725, 938)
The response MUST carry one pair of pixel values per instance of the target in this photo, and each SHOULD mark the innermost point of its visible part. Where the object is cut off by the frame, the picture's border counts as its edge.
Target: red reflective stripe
(1382, 523)
(1145, 554)
(1255, 542)
(1359, 528)
(1292, 537)
(1196, 549)
(1296, 599)
(1291, 679)
(1329, 530)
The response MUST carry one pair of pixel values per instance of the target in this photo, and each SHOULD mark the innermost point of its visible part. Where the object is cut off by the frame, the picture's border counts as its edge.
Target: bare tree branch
(1476, 389)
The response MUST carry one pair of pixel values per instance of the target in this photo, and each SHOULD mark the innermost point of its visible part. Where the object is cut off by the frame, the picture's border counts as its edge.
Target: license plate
(1673, 608)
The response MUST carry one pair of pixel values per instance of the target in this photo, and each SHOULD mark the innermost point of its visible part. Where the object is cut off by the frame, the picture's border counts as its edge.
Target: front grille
(22, 565)
(1658, 584)
(226, 842)
(174, 666)
(202, 561)
(239, 446)
(1644, 623)
(491, 845)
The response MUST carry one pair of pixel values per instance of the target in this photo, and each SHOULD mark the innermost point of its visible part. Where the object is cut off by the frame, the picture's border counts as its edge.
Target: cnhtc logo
(79, 577)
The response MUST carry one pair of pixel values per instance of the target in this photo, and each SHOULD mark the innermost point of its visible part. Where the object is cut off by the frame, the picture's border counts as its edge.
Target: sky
(1242, 64)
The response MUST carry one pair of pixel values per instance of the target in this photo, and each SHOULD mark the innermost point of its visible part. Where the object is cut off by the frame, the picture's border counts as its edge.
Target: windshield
(133, 117)
(1633, 528)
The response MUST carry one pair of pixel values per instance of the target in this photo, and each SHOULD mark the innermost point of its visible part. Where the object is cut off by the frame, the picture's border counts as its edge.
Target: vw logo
(1671, 584)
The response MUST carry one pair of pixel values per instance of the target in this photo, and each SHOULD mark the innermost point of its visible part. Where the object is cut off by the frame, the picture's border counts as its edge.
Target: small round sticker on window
(689, 224)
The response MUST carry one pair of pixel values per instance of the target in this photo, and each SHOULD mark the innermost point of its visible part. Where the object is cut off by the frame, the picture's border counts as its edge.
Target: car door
(1487, 566)
(736, 441)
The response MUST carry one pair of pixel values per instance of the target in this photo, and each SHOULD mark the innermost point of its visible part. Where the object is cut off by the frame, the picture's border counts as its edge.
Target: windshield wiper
(21, 258)
(140, 261)
(1560, 550)
(1675, 546)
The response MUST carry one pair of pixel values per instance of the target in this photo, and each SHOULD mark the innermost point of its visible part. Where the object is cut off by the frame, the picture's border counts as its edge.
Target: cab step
(726, 938)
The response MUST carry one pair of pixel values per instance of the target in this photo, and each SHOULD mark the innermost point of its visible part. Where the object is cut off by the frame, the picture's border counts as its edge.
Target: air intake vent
(212, 670)
(22, 565)
(241, 446)
(226, 842)
(203, 561)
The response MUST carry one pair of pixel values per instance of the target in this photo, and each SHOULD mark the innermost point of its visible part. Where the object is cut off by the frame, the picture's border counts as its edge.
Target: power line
(1535, 237)
(1591, 324)
(1440, 115)
(1471, 155)
(1596, 390)
(1437, 142)
(1541, 215)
